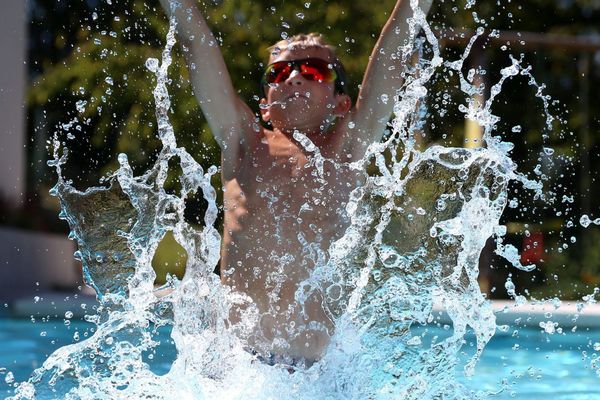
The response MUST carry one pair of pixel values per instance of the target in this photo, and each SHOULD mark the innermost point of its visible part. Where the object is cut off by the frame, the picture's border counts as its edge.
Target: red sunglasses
(312, 69)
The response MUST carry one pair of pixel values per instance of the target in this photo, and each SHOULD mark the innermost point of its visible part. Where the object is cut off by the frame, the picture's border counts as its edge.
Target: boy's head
(304, 86)
(316, 42)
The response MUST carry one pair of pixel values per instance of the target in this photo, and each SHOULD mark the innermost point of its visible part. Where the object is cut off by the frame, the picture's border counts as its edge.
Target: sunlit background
(77, 67)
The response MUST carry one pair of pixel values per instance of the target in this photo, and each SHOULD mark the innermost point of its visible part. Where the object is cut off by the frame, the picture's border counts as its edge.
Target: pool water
(519, 363)
(532, 364)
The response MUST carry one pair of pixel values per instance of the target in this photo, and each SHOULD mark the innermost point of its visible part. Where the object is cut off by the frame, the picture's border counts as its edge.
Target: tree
(89, 80)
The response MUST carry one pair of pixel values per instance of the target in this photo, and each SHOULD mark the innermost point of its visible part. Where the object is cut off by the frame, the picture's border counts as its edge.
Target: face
(300, 103)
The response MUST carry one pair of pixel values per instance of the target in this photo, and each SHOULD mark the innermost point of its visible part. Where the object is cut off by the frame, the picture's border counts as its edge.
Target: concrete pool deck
(54, 304)
(566, 313)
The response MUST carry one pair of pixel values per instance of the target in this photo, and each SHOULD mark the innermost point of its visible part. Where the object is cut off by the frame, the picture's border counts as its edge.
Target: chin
(301, 118)
(297, 113)
(293, 119)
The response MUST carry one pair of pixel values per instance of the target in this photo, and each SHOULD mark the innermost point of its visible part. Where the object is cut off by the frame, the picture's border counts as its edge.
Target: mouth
(296, 96)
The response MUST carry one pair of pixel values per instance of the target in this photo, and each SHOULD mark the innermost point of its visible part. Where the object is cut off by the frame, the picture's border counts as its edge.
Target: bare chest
(286, 181)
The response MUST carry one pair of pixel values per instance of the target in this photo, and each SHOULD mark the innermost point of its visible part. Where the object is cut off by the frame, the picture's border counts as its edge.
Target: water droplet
(414, 341)
(152, 64)
(376, 275)
(548, 151)
(585, 221)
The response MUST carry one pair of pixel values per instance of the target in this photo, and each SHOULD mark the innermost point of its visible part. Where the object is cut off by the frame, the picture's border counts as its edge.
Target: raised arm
(228, 116)
(382, 79)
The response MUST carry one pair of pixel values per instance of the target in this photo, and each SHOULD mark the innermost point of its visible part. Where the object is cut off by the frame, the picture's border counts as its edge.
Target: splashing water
(416, 231)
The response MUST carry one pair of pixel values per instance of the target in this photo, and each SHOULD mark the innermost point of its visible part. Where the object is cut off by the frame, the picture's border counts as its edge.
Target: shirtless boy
(281, 213)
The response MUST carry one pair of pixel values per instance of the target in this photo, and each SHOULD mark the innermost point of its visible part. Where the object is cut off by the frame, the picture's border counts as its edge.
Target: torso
(280, 217)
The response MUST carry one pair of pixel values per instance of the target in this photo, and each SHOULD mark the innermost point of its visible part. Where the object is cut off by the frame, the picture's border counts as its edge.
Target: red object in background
(533, 248)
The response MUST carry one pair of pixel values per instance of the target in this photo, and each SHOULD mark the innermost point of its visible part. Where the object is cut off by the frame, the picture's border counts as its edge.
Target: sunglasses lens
(278, 72)
(317, 70)
(312, 69)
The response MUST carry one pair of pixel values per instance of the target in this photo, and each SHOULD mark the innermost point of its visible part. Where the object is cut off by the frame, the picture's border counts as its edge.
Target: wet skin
(275, 207)
(275, 204)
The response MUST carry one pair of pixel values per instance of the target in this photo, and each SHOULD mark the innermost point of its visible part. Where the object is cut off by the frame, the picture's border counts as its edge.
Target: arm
(382, 79)
(229, 118)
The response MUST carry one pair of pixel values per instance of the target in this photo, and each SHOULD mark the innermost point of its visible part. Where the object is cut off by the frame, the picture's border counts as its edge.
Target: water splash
(417, 228)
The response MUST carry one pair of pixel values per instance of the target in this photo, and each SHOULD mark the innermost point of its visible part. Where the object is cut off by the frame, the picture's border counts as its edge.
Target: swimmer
(283, 206)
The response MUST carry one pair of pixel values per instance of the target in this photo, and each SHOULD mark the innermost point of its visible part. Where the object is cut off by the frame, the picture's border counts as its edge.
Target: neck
(316, 134)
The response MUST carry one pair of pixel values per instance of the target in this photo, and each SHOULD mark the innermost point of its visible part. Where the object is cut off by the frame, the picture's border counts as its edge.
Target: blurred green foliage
(87, 67)
(170, 258)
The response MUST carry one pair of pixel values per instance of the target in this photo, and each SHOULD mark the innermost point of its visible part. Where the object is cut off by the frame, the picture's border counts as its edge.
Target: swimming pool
(528, 363)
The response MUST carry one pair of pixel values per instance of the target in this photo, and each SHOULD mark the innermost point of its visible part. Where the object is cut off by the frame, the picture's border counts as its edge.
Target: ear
(264, 110)
(343, 103)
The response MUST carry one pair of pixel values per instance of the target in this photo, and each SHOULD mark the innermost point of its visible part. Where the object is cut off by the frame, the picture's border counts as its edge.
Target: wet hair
(313, 40)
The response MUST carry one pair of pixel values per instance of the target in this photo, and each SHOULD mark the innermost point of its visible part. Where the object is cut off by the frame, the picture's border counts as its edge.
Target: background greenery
(94, 52)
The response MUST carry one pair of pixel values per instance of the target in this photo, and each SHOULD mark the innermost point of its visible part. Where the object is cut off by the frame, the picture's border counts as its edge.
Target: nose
(295, 78)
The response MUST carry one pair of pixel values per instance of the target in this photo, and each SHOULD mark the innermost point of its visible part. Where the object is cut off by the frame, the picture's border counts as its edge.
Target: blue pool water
(528, 363)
